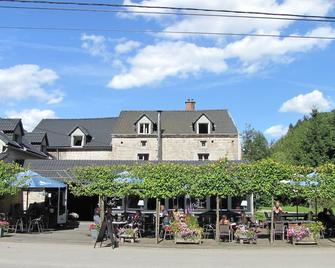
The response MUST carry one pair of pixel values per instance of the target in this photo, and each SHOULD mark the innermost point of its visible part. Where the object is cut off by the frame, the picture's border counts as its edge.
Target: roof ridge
(174, 110)
(90, 118)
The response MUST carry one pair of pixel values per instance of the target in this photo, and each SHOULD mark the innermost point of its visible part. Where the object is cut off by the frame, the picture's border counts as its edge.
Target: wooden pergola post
(217, 225)
(272, 219)
(157, 223)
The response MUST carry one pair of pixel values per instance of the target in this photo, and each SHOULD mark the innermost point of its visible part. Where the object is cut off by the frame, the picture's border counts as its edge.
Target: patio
(81, 236)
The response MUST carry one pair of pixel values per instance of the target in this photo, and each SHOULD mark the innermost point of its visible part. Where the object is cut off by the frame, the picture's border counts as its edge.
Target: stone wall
(82, 155)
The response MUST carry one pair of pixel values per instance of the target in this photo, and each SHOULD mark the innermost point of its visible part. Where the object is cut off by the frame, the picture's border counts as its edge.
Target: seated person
(176, 213)
(96, 217)
(323, 216)
(136, 219)
(162, 211)
(224, 220)
(277, 211)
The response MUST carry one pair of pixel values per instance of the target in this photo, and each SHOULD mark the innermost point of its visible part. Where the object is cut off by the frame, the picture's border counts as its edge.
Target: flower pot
(94, 234)
(187, 240)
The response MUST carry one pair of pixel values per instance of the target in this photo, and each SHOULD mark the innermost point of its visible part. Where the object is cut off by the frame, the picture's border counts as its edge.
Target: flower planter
(126, 237)
(305, 241)
(1, 232)
(94, 234)
(186, 240)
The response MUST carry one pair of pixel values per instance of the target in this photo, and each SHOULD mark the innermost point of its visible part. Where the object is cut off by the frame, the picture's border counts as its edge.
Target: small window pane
(203, 128)
(77, 140)
(143, 157)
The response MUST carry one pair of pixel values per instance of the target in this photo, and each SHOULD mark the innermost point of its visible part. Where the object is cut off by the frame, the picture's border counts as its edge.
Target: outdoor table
(119, 223)
(285, 216)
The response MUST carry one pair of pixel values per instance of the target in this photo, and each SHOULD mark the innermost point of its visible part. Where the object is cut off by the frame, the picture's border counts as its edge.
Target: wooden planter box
(129, 238)
(178, 239)
(304, 241)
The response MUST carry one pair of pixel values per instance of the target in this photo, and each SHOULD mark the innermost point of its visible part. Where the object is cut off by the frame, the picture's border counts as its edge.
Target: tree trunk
(158, 204)
(102, 208)
(217, 227)
(271, 226)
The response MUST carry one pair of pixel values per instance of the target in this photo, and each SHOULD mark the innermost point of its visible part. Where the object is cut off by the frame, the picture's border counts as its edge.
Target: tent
(34, 180)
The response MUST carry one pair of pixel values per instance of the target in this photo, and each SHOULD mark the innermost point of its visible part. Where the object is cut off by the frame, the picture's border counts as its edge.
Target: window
(144, 157)
(144, 128)
(203, 143)
(143, 143)
(203, 128)
(203, 157)
(77, 141)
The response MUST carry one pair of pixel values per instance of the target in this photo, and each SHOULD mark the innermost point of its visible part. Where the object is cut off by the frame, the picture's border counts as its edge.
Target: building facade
(185, 135)
(16, 145)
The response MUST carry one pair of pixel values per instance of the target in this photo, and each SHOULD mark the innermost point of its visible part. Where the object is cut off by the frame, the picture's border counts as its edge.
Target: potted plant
(245, 234)
(127, 234)
(4, 225)
(187, 230)
(305, 233)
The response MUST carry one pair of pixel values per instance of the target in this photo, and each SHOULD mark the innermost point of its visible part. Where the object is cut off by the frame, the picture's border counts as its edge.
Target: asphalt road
(30, 255)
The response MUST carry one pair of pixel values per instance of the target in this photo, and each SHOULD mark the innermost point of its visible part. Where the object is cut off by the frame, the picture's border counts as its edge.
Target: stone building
(184, 135)
(15, 143)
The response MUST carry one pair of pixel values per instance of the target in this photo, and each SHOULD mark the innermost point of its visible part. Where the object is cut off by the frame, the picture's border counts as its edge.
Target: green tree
(8, 178)
(310, 142)
(255, 145)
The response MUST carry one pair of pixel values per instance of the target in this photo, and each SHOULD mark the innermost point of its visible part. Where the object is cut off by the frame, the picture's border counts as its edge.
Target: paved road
(29, 255)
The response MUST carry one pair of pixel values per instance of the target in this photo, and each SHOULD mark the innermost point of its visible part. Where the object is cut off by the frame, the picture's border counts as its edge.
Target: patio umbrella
(34, 180)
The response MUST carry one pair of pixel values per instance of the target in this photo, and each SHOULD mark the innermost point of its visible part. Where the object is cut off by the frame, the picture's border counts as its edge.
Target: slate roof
(58, 130)
(61, 169)
(176, 122)
(35, 137)
(8, 141)
(7, 124)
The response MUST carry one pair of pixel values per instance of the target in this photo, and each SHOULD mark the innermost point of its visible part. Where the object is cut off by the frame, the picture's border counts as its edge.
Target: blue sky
(265, 82)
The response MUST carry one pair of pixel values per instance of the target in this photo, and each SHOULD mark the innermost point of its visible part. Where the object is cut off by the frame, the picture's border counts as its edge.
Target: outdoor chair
(35, 223)
(209, 231)
(225, 230)
(279, 229)
(167, 232)
(18, 224)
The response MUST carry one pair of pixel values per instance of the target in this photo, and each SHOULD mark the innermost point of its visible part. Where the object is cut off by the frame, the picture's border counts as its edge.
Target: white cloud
(255, 52)
(31, 117)
(219, 24)
(95, 45)
(164, 59)
(23, 81)
(127, 46)
(154, 63)
(276, 131)
(304, 103)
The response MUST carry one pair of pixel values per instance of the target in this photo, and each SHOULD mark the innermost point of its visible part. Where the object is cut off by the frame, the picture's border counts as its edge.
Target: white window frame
(73, 140)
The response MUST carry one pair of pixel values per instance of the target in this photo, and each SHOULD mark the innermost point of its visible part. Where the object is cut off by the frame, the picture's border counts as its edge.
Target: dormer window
(203, 128)
(203, 125)
(77, 141)
(144, 125)
(79, 137)
(144, 128)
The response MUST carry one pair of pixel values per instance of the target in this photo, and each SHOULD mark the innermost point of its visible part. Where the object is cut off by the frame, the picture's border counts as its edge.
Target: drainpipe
(159, 136)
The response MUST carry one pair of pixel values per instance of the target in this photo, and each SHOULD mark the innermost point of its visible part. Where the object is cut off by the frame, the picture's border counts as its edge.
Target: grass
(259, 213)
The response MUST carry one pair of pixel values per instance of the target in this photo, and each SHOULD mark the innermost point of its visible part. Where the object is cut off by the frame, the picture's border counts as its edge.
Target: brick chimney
(190, 105)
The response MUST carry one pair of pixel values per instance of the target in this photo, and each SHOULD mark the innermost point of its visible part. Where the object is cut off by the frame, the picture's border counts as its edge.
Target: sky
(265, 82)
